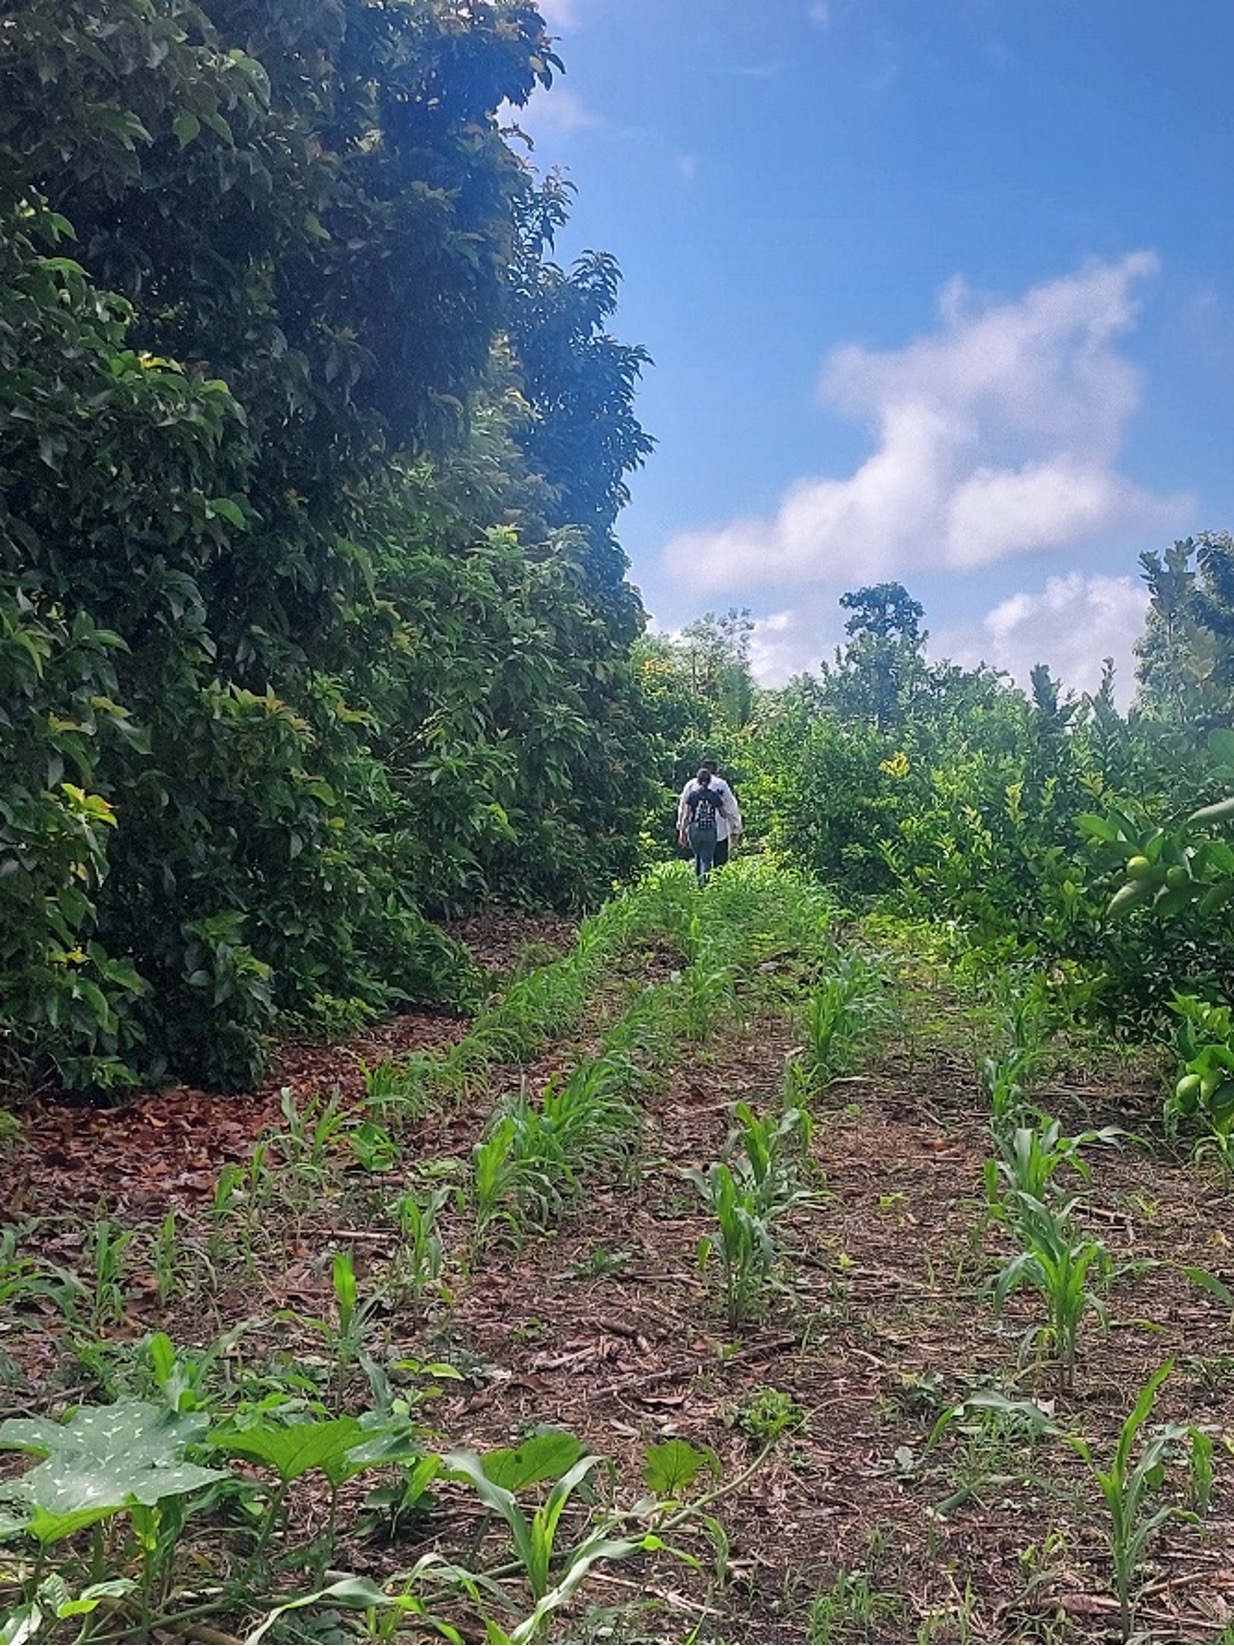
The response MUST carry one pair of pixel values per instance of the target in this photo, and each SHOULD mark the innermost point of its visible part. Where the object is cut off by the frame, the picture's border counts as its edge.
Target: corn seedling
(772, 1148)
(1028, 1157)
(746, 1192)
(534, 1535)
(421, 1253)
(1130, 1490)
(347, 1333)
(747, 1250)
(399, 1091)
(373, 1146)
(1059, 1265)
(108, 1251)
(707, 986)
(22, 1280)
(304, 1144)
(840, 1018)
(493, 1176)
(1008, 1102)
(167, 1260)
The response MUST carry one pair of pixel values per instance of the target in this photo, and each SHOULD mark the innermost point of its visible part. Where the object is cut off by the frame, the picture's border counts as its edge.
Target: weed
(768, 1413)
(851, 1608)
(601, 1264)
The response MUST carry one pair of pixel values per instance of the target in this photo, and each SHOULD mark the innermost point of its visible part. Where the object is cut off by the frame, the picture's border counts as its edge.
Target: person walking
(728, 823)
(703, 806)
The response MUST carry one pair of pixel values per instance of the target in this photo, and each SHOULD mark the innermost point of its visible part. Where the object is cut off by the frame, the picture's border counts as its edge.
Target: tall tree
(882, 665)
(1185, 657)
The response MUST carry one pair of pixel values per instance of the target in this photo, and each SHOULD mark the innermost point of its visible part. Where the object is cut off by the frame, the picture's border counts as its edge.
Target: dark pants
(703, 845)
(721, 857)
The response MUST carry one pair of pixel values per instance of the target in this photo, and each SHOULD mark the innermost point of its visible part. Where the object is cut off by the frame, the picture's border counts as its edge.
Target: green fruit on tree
(1177, 877)
(1188, 1088)
(1138, 867)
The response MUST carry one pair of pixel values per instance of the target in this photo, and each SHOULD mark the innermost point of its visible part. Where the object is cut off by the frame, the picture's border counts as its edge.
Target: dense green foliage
(310, 606)
(953, 796)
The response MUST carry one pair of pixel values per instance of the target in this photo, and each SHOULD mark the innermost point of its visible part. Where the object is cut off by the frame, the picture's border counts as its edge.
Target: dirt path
(854, 1527)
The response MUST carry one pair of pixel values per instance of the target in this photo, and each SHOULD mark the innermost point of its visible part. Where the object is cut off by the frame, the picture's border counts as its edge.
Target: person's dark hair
(703, 777)
(709, 764)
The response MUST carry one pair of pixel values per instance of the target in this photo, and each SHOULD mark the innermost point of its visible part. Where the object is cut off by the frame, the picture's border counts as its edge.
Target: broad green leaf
(349, 1591)
(542, 1457)
(295, 1449)
(90, 1598)
(672, 1467)
(106, 1457)
(186, 126)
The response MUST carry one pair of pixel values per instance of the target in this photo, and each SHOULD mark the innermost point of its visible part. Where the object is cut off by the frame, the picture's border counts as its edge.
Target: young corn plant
(746, 1246)
(421, 1251)
(1060, 1265)
(347, 1334)
(399, 1093)
(109, 1247)
(1001, 1077)
(304, 1145)
(708, 984)
(1130, 1492)
(552, 1573)
(1027, 1159)
(747, 1193)
(840, 1018)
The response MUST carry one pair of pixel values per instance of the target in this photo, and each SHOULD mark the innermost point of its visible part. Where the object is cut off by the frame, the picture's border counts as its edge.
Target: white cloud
(1072, 625)
(819, 14)
(997, 434)
(781, 646)
(550, 113)
(558, 14)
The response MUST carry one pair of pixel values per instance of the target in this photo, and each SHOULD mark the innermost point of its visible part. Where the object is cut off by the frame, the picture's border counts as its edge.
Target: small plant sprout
(767, 1414)
(166, 1256)
(1061, 1266)
(748, 1193)
(1130, 1491)
(841, 1017)
(108, 1251)
(421, 1252)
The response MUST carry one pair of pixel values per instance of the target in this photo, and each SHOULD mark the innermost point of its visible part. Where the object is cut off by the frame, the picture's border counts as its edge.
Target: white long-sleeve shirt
(728, 821)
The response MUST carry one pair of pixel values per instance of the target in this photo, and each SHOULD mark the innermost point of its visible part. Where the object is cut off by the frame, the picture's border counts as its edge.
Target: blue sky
(939, 291)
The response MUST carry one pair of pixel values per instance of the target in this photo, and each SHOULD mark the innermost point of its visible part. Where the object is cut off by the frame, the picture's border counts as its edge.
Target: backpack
(703, 805)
